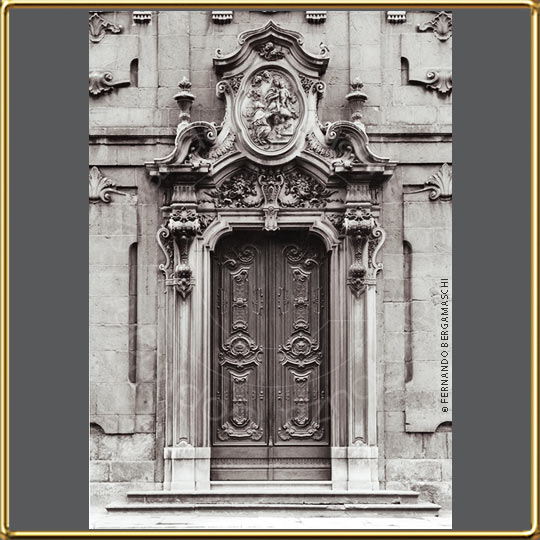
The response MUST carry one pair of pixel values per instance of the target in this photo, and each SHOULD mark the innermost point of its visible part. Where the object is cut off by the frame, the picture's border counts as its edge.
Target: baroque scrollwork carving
(440, 25)
(238, 191)
(98, 27)
(367, 239)
(439, 184)
(100, 186)
(301, 191)
(252, 431)
(100, 82)
(439, 80)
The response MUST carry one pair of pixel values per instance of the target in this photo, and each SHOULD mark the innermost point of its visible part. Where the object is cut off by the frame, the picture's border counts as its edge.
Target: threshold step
(273, 496)
(250, 485)
(305, 510)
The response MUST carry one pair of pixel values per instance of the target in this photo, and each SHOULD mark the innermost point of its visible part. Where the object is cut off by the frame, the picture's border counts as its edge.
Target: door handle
(282, 301)
(258, 301)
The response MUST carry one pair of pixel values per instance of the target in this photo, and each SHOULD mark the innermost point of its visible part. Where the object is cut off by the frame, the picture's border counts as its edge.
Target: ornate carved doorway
(270, 379)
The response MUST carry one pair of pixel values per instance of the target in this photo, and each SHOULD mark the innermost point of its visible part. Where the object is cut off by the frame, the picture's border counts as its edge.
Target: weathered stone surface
(417, 470)
(124, 471)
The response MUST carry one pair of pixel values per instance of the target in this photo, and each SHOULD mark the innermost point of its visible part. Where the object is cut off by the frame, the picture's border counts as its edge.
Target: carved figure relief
(270, 110)
(271, 51)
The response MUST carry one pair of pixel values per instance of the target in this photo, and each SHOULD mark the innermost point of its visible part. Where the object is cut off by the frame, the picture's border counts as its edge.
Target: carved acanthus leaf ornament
(440, 25)
(98, 27)
(101, 82)
(100, 186)
(439, 184)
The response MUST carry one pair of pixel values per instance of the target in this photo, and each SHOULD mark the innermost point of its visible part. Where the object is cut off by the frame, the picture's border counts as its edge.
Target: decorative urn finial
(356, 100)
(185, 100)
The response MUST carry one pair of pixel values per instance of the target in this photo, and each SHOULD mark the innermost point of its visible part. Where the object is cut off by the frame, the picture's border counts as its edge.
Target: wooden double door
(270, 381)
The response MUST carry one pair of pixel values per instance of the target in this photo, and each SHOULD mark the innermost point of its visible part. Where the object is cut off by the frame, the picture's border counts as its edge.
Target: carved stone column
(361, 226)
(187, 465)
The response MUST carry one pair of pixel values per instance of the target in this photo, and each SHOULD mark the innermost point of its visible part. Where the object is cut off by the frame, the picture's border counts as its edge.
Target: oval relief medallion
(271, 110)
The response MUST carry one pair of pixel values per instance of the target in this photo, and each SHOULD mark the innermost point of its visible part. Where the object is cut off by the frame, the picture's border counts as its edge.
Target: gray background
(49, 270)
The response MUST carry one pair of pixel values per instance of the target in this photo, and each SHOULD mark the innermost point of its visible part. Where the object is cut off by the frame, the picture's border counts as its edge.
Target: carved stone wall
(407, 116)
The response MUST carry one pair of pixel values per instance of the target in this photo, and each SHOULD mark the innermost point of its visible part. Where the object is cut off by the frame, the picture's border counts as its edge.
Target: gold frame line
(6, 6)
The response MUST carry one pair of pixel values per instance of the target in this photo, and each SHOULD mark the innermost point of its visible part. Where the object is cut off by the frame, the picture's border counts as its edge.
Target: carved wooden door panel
(239, 366)
(270, 410)
(301, 363)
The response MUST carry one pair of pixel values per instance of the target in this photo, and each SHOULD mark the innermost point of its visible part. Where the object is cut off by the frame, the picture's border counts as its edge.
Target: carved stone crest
(270, 110)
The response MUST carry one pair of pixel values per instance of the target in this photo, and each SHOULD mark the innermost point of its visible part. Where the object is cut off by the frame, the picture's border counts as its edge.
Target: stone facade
(402, 100)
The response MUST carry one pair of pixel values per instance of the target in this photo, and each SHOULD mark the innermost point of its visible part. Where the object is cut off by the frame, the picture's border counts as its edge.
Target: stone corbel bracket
(183, 223)
(367, 238)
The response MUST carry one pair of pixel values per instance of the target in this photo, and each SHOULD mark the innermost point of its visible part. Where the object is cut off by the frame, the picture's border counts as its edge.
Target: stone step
(272, 494)
(283, 509)
(250, 486)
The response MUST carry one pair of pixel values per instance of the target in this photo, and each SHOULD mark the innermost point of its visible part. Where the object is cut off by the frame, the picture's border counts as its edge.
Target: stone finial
(356, 100)
(185, 100)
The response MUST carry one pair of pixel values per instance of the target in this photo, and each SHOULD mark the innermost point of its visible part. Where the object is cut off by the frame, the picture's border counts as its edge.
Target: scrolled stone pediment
(272, 88)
